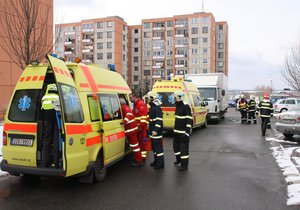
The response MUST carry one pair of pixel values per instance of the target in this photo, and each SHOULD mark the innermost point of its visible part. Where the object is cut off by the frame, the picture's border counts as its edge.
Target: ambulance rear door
(74, 129)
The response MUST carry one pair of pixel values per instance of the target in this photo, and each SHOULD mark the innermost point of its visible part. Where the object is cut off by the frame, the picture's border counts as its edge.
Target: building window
(124, 47)
(147, 63)
(204, 50)
(99, 56)
(194, 30)
(124, 37)
(136, 49)
(170, 42)
(204, 30)
(146, 72)
(220, 45)
(205, 40)
(194, 51)
(170, 52)
(109, 24)
(100, 45)
(124, 57)
(136, 40)
(194, 71)
(170, 23)
(136, 68)
(109, 45)
(135, 59)
(194, 61)
(194, 20)
(136, 31)
(220, 64)
(147, 53)
(147, 34)
(194, 40)
(204, 60)
(99, 35)
(109, 34)
(220, 55)
(147, 44)
(169, 62)
(109, 55)
(147, 25)
(220, 27)
(205, 19)
(99, 24)
(204, 71)
(170, 33)
(135, 78)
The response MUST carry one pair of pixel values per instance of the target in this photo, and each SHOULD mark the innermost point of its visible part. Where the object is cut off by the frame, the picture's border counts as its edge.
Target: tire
(204, 125)
(99, 170)
(288, 135)
(283, 110)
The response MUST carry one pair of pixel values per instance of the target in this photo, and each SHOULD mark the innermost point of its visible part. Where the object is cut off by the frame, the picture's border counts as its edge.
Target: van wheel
(283, 110)
(288, 135)
(99, 169)
(205, 124)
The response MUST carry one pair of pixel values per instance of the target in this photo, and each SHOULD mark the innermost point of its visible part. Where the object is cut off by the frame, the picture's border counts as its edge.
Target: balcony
(69, 52)
(158, 28)
(87, 61)
(157, 67)
(86, 41)
(180, 56)
(69, 33)
(180, 66)
(179, 36)
(87, 51)
(156, 38)
(156, 76)
(69, 43)
(181, 45)
(157, 48)
(159, 57)
(88, 30)
(180, 26)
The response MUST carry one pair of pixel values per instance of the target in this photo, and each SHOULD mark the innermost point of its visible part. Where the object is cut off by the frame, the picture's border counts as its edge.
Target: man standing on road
(265, 109)
(251, 110)
(242, 106)
(182, 131)
(140, 113)
(131, 130)
(156, 130)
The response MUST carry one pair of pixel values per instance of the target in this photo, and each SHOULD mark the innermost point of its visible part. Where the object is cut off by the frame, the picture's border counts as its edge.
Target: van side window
(196, 100)
(93, 107)
(110, 107)
(71, 103)
(291, 101)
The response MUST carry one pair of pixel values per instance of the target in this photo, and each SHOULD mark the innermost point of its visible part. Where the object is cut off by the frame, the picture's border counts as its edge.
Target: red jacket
(140, 112)
(129, 121)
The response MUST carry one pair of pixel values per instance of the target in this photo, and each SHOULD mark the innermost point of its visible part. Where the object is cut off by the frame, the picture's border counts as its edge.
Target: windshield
(208, 94)
(167, 99)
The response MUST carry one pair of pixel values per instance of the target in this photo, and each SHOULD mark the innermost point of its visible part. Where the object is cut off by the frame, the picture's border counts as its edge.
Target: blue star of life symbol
(159, 97)
(72, 102)
(24, 103)
(171, 99)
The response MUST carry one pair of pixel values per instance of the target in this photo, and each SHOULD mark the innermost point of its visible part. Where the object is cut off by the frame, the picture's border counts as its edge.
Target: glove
(271, 115)
(256, 113)
(154, 133)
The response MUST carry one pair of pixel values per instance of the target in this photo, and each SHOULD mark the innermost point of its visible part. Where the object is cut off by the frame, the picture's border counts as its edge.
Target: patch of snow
(280, 141)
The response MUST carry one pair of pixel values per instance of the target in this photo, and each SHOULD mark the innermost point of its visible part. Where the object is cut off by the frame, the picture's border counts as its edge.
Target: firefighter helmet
(266, 96)
(152, 95)
(252, 97)
(178, 94)
(52, 88)
(242, 96)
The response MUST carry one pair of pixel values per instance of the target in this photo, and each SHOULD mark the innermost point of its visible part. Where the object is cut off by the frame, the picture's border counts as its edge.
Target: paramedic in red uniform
(131, 131)
(140, 112)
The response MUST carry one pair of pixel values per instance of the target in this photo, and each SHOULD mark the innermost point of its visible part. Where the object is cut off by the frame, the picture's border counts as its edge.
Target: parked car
(232, 103)
(283, 105)
(288, 123)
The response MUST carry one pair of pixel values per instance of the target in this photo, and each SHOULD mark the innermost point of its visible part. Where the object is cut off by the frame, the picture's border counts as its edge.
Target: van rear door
(74, 129)
(21, 122)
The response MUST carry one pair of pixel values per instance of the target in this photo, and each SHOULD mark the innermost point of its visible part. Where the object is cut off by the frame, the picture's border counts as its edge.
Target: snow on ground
(1, 131)
(288, 165)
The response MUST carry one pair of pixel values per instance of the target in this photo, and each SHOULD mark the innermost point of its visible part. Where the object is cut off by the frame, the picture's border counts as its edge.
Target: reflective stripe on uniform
(129, 130)
(178, 131)
(136, 150)
(177, 153)
(265, 116)
(133, 120)
(157, 125)
(134, 145)
(183, 117)
(184, 157)
(160, 154)
(188, 125)
(156, 137)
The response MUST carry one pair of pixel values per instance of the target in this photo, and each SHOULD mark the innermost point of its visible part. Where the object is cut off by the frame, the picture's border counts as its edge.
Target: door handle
(121, 123)
(100, 130)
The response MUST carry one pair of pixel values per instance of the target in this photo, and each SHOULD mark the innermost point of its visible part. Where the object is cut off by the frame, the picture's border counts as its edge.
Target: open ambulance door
(74, 152)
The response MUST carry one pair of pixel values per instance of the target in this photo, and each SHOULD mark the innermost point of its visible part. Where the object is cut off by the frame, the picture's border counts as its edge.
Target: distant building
(193, 43)
(9, 71)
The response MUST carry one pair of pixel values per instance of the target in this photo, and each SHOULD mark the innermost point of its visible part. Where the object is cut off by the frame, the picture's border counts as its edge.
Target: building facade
(9, 71)
(192, 43)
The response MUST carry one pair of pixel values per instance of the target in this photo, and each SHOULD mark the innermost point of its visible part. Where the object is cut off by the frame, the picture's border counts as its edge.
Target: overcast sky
(261, 32)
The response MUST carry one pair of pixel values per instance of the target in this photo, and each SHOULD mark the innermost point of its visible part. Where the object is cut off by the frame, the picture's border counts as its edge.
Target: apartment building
(9, 71)
(101, 41)
(192, 43)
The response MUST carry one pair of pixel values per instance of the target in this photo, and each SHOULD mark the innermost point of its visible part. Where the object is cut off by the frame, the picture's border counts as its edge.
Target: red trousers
(142, 135)
(134, 145)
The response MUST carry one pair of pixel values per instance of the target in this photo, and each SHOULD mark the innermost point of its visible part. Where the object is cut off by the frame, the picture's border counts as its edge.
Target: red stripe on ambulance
(89, 78)
(114, 137)
(93, 140)
(25, 128)
(78, 129)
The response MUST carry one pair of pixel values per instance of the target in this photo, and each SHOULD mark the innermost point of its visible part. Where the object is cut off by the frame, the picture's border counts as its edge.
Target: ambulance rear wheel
(99, 169)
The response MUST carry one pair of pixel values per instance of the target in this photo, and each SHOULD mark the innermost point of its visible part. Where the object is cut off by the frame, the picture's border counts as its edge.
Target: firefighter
(265, 109)
(50, 127)
(140, 113)
(251, 110)
(131, 130)
(242, 107)
(155, 130)
(182, 131)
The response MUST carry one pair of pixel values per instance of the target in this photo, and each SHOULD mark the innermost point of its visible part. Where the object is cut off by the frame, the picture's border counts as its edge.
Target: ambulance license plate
(21, 142)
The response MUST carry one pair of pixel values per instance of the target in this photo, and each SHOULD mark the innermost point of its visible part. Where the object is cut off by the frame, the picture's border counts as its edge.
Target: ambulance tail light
(4, 138)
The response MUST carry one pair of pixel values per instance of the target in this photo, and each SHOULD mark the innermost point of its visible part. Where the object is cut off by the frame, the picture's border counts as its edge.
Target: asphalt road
(231, 167)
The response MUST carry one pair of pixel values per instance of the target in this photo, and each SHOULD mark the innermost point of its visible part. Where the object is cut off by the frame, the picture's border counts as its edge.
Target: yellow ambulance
(166, 88)
(92, 132)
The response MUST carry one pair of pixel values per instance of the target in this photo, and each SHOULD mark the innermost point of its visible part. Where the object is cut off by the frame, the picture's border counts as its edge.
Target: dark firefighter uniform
(251, 111)
(155, 130)
(50, 127)
(182, 131)
(131, 131)
(243, 109)
(140, 113)
(265, 108)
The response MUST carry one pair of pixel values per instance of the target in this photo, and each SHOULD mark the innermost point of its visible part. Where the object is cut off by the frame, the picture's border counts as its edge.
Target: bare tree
(262, 90)
(26, 31)
(291, 71)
